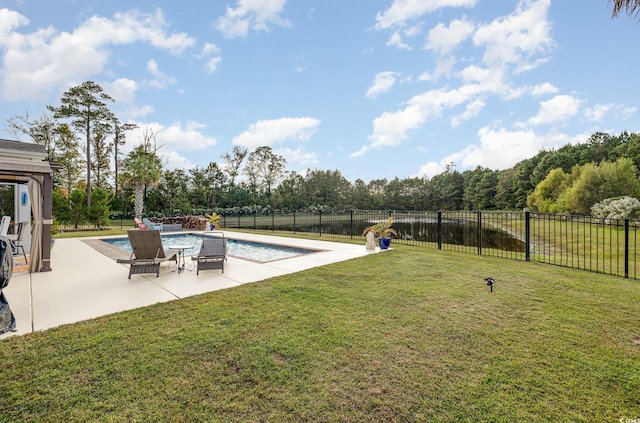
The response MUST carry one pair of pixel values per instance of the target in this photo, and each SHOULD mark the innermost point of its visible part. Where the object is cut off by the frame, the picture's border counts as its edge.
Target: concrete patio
(86, 283)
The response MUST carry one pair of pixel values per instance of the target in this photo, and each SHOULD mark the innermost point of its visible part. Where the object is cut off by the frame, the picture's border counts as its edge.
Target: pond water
(255, 251)
(452, 231)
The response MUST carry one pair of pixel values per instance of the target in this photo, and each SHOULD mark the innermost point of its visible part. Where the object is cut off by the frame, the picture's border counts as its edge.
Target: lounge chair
(140, 224)
(150, 225)
(4, 225)
(16, 240)
(213, 252)
(148, 252)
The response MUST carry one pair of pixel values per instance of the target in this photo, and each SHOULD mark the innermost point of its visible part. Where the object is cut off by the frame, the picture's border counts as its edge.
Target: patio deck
(86, 283)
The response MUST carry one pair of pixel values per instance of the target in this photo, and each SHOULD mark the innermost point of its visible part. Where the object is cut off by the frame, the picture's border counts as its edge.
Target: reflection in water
(424, 229)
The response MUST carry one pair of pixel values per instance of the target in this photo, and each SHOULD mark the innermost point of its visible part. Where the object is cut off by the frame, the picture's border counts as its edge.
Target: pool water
(249, 250)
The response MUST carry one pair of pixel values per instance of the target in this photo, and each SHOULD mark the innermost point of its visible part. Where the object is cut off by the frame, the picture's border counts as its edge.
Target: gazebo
(25, 164)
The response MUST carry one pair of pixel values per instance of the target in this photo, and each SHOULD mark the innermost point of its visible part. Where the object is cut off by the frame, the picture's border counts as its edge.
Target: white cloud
(597, 112)
(515, 39)
(627, 112)
(382, 83)
(187, 137)
(544, 88)
(121, 90)
(558, 109)
(395, 40)
(404, 10)
(390, 128)
(160, 80)
(212, 64)
(298, 158)
(509, 44)
(173, 160)
(499, 149)
(10, 20)
(36, 64)
(211, 54)
(425, 76)
(251, 14)
(431, 169)
(269, 132)
(173, 138)
(443, 40)
(412, 30)
(472, 110)
(133, 26)
(210, 49)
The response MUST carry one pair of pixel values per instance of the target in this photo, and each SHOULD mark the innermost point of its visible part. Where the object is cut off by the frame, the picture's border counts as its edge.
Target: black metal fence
(598, 245)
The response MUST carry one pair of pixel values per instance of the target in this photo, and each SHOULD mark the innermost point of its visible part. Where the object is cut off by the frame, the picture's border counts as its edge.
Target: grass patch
(409, 335)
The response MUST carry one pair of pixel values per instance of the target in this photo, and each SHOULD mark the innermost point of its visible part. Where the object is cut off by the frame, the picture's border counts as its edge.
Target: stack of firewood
(199, 223)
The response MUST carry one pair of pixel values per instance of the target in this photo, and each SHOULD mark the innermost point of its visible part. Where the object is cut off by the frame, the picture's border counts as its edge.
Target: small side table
(181, 262)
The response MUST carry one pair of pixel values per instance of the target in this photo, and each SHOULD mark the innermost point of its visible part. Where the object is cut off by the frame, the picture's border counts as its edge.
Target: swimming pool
(255, 251)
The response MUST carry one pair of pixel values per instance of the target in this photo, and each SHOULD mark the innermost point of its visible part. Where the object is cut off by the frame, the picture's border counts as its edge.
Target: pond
(419, 229)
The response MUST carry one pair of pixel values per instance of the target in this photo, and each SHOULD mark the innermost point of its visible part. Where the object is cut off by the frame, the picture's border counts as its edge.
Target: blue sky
(374, 89)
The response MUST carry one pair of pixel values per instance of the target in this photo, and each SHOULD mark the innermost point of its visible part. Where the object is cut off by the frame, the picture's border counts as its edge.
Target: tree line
(94, 181)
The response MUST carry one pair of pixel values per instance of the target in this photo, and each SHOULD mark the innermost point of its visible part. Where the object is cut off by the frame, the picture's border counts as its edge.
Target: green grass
(409, 335)
(106, 232)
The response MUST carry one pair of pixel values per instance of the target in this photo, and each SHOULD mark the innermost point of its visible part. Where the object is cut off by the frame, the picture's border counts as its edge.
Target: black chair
(16, 240)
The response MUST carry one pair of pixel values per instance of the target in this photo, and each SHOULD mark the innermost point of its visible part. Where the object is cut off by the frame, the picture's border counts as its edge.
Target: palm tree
(631, 7)
(142, 168)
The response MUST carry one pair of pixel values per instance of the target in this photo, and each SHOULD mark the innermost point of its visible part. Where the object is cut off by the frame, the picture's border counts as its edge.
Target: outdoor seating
(16, 240)
(213, 252)
(148, 252)
(150, 225)
(140, 224)
(4, 225)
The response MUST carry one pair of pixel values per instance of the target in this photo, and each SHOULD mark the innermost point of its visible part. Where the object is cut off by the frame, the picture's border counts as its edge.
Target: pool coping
(114, 252)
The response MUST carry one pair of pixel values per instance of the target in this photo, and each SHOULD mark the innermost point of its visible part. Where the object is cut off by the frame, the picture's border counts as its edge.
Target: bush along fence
(597, 245)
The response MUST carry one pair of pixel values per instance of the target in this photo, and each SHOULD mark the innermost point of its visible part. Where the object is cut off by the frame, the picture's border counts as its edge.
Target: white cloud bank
(269, 132)
(503, 48)
(38, 63)
(500, 148)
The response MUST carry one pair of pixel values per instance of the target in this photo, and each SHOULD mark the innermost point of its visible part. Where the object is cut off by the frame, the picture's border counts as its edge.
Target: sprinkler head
(490, 282)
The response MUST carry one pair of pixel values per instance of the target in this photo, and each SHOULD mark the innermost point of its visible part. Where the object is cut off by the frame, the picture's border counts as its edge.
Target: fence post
(294, 221)
(479, 233)
(527, 235)
(626, 248)
(351, 230)
(255, 226)
(439, 229)
(273, 220)
(320, 225)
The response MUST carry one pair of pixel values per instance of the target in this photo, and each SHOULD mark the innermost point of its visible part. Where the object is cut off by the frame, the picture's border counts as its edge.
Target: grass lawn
(409, 335)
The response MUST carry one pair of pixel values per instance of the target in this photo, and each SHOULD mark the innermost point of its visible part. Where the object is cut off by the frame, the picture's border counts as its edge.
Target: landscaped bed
(410, 335)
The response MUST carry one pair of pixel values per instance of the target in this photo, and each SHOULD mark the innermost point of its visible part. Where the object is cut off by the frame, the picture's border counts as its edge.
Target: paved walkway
(86, 283)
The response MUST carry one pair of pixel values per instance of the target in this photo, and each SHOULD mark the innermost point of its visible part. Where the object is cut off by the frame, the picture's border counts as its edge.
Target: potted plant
(214, 220)
(383, 231)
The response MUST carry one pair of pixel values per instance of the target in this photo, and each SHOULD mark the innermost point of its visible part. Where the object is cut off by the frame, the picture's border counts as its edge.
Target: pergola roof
(19, 160)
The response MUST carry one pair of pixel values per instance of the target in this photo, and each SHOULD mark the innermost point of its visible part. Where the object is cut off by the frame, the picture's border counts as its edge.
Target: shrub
(617, 208)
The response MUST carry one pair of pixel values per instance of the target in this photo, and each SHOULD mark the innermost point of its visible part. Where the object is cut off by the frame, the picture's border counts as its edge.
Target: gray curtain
(35, 193)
